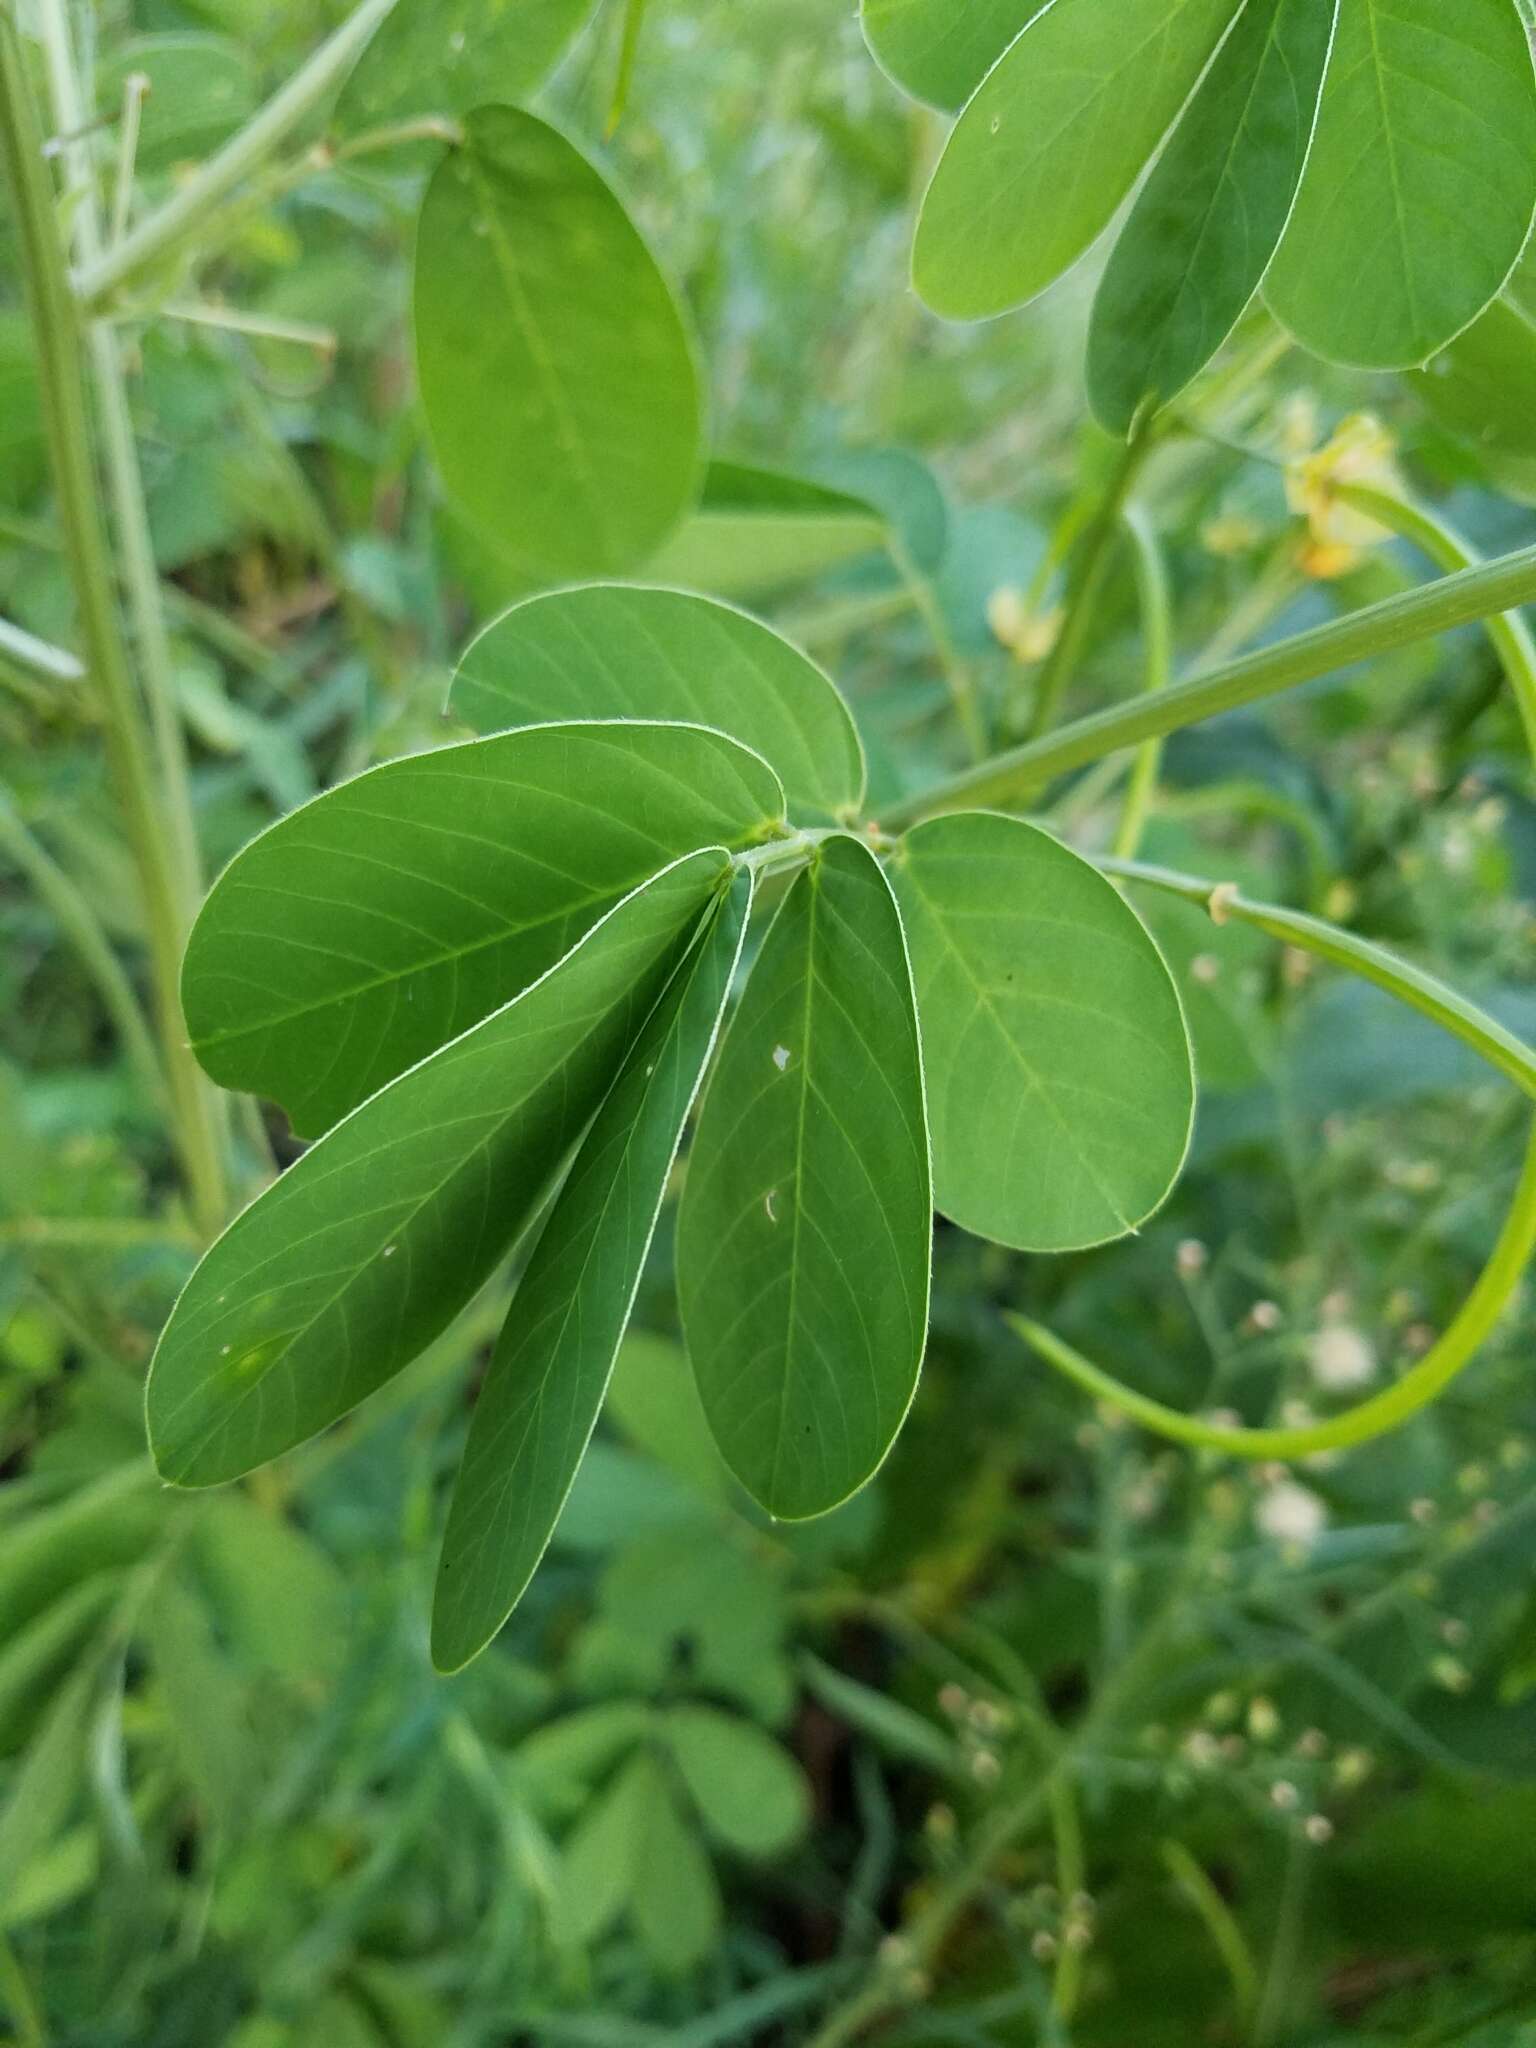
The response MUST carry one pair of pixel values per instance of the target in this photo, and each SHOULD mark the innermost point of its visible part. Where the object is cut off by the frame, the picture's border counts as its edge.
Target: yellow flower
(1360, 452)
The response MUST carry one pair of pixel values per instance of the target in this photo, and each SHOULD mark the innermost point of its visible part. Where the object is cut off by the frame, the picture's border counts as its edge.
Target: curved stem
(1157, 666)
(1385, 1411)
(1456, 600)
(1424, 992)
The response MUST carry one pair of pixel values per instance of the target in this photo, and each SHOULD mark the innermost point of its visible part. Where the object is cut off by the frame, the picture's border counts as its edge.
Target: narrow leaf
(803, 1240)
(376, 923)
(1211, 215)
(556, 368)
(1421, 185)
(1051, 142)
(939, 51)
(367, 1248)
(1059, 1080)
(611, 650)
(546, 1382)
(446, 56)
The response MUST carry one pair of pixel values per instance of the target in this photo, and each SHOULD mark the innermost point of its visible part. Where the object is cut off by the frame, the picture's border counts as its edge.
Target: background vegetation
(1055, 1733)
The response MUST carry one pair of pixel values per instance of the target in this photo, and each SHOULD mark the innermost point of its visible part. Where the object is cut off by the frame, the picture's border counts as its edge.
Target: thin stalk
(1460, 599)
(1423, 1383)
(1450, 551)
(61, 389)
(135, 91)
(1423, 992)
(1071, 1878)
(1157, 666)
(624, 76)
(1087, 583)
(174, 222)
(229, 320)
(1220, 1923)
(80, 926)
(36, 658)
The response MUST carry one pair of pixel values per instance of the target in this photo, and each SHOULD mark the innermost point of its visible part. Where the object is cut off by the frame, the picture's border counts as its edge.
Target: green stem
(1421, 991)
(80, 925)
(1071, 1877)
(1157, 666)
(1412, 615)
(1448, 550)
(171, 224)
(1424, 1383)
(1220, 1923)
(1087, 583)
(36, 658)
(624, 77)
(61, 388)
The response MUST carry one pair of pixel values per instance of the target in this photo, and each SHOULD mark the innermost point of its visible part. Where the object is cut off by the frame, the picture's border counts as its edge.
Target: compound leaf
(610, 650)
(363, 1251)
(539, 1403)
(556, 369)
(1421, 185)
(379, 921)
(938, 51)
(1051, 142)
(1210, 217)
(750, 1794)
(1059, 1082)
(803, 1240)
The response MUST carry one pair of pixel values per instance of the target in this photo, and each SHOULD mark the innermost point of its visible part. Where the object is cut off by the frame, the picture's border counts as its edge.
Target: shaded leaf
(937, 50)
(337, 1275)
(1050, 144)
(751, 1793)
(1482, 387)
(654, 1400)
(1421, 185)
(677, 1909)
(556, 369)
(609, 650)
(367, 929)
(757, 530)
(1210, 216)
(447, 56)
(1059, 1083)
(201, 88)
(803, 1239)
(539, 1403)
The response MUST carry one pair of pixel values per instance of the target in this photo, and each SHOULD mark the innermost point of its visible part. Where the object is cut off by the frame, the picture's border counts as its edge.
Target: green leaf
(201, 88)
(654, 1399)
(539, 1404)
(1483, 386)
(1421, 185)
(618, 651)
(751, 1795)
(893, 1726)
(556, 368)
(1050, 144)
(597, 1871)
(379, 921)
(447, 56)
(676, 1901)
(803, 1240)
(758, 530)
(366, 1249)
(43, 1788)
(1059, 1081)
(1210, 216)
(938, 50)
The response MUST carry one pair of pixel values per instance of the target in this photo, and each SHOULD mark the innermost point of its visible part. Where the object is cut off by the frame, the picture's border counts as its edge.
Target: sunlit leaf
(1059, 1084)
(365, 1249)
(1050, 144)
(539, 1403)
(367, 929)
(447, 56)
(940, 50)
(623, 651)
(1210, 216)
(803, 1240)
(556, 368)
(1421, 185)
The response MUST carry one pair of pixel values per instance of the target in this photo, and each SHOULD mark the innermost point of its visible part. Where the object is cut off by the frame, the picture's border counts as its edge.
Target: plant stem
(61, 372)
(172, 223)
(1087, 582)
(1157, 666)
(135, 91)
(1455, 600)
(1421, 991)
(1424, 1383)
(36, 658)
(1447, 549)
